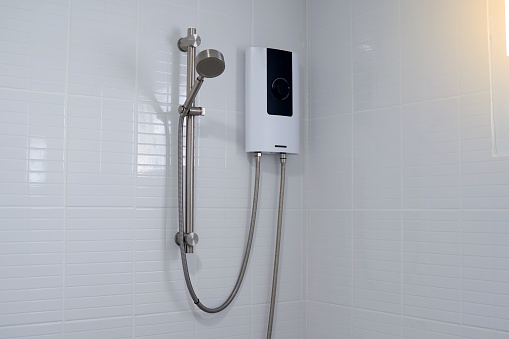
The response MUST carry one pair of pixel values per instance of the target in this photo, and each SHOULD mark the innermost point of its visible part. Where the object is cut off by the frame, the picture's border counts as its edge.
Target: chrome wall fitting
(192, 40)
(190, 239)
(209, 64)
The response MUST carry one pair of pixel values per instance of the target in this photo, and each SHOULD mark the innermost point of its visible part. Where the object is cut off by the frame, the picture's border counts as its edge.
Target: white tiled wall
(408, 210)
(89, 92)
(396, 214)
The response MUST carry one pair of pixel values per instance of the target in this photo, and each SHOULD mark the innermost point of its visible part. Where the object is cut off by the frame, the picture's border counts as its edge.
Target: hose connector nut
(282, 157)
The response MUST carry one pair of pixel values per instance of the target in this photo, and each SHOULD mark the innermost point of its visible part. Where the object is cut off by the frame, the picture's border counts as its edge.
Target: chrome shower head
(210, 63)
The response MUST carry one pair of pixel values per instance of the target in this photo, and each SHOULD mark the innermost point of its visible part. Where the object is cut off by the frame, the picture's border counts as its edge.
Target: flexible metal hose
(183, 257)
(282, 159)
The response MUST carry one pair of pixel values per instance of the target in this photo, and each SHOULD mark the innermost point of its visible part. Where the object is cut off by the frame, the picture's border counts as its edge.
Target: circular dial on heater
(280, 88)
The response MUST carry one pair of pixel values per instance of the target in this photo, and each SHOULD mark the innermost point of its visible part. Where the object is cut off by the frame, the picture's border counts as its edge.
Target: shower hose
(247, 251)
(282, 159)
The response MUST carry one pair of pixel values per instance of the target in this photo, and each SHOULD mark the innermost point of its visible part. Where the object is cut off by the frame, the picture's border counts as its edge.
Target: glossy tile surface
(89, 94)
(402, 143)
(395, 211)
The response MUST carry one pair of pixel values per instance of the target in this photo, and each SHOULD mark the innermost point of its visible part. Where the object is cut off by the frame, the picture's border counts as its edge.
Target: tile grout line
(66, 157)
(458, 103)
(402, 176)
(352, 181)
(304, 290)
(134, 168)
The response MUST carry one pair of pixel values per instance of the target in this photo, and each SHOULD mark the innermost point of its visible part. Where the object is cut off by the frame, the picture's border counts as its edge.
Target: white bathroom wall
(408, 210)
(89, 91)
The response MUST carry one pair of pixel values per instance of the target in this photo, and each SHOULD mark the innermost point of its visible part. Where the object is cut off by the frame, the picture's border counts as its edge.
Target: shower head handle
(185, 109)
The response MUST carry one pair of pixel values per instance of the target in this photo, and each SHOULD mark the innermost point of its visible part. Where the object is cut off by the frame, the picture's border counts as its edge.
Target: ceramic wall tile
(286, 320)
(165, 325)
(473, 47)
(98, 263)
(161, 66)
(102, 51)
(101, 327)
(377, 159)
(421, 329)
(323, 13)
(159, 286)
(33, 52)
(330, 159)
(431, 145)
(32, 267)
(282, 13)
(484, 272)
(14, 124)
(377, 271)
(368, 324)
(46, 150)
(376, 46)
(478, 333)
(236, 325)
(432, 265)
(429, 198)
(429, 50)
(483, 177)
(330, 274)
(43, 331)
(330, 73)
(329, 320)
(100, 154)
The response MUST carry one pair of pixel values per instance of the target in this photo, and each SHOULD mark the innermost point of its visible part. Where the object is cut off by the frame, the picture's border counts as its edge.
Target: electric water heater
(272, 101)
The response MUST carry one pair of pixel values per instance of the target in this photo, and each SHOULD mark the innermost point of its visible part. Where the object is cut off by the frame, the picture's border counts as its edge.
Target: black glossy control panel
(279, 82)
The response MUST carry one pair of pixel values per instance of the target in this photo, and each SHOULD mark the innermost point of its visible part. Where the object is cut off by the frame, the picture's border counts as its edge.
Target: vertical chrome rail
(189, 44)
(191, 55)
(208, 64)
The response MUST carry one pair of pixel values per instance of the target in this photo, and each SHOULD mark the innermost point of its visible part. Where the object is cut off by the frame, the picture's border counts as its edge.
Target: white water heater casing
(272, 101)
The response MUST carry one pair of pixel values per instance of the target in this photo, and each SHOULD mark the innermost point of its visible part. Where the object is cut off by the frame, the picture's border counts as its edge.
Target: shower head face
(210, 63)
